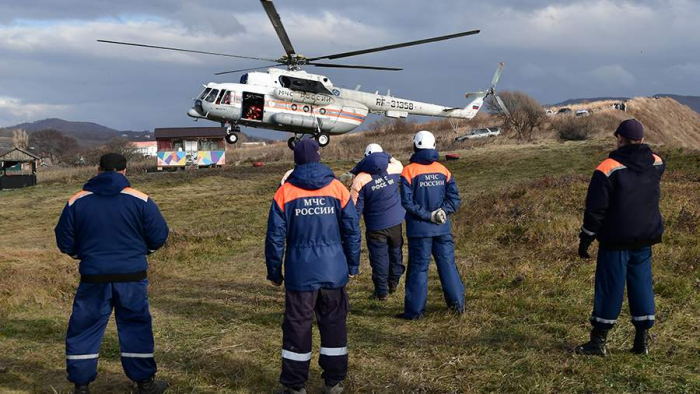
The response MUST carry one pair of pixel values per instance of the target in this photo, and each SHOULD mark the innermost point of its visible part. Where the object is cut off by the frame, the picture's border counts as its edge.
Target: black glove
(584, 244)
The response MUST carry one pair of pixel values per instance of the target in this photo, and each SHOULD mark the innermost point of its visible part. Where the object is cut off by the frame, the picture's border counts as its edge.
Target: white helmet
(424, 140)
(373, 148)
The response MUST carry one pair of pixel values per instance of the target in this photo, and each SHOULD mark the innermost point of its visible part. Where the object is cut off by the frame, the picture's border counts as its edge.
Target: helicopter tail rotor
(492, 90)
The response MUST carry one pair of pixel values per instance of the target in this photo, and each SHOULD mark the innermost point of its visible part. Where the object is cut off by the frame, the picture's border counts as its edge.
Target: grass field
(217, 322)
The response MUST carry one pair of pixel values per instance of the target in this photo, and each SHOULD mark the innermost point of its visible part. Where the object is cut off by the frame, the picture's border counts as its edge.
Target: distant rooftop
(192, 132)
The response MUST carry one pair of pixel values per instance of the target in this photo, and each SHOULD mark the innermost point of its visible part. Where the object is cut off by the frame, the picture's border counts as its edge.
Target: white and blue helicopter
(294, 101)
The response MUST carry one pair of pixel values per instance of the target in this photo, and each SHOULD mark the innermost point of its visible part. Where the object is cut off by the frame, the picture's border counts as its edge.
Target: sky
(52, 66)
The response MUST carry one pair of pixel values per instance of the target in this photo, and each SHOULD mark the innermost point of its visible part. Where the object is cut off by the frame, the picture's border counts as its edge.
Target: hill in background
(690, 101)
(88, 134)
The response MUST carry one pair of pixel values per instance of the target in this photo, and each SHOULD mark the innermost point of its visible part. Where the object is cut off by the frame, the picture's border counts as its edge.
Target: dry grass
(60, 174)
(217, 322)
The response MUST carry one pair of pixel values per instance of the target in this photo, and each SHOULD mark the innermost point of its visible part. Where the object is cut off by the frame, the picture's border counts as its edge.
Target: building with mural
(182, 147)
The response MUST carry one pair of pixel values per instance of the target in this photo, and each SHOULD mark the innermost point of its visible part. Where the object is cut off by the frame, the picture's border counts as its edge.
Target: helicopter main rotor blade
(185, 50)
(330, 65)
(394, 46)
(246, 69)
(279, 27)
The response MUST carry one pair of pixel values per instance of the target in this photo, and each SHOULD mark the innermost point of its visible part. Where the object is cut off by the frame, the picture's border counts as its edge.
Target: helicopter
(294, 101)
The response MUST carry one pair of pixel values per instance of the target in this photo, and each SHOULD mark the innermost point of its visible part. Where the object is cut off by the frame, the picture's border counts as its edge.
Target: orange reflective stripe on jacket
(288, 192)
(411, 171)
(78, 196)
(608, 166)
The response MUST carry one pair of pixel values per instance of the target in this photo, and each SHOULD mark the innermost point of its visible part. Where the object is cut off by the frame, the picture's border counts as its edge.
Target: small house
(17, 169)
(146, 148)
(181, 147)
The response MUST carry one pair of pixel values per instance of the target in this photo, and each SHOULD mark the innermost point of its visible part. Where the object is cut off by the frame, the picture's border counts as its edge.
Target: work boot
(375, 296)
(337, 389)
(81, 389)
(152, 386)
(641, 342)
(288, 390)
(596, 346)
(392, 287)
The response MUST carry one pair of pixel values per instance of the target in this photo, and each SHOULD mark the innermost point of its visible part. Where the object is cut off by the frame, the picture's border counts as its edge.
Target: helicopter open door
(253, 106)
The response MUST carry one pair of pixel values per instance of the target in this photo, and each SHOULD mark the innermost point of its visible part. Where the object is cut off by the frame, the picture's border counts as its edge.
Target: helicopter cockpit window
(204, 93)
(244, 79)
(212, 95)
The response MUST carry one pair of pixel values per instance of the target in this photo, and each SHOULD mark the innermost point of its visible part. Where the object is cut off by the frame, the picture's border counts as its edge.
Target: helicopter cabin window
(253, 104)
(244, 79)
(204, 93)
(227, 98)
(212, 95)
(221, 95)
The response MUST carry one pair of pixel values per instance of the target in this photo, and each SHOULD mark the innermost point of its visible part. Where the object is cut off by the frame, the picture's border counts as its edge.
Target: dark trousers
(385, 258)
(331, 307)
(91, 310)
(442, 249)
(615, 268)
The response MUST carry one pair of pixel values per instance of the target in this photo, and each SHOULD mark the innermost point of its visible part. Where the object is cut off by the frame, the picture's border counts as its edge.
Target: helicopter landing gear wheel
(292, 142)
(323, 139)
(231, 138)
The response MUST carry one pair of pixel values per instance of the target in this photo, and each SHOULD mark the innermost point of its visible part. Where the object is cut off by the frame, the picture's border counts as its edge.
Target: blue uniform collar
(376, 163)
(425, 156)
(311, 176)
(107, 183)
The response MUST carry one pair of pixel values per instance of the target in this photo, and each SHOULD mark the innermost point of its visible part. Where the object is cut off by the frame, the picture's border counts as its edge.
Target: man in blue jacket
(375, 192)
(622, 213)
(429, 195)
(110, 228)
(312, 213)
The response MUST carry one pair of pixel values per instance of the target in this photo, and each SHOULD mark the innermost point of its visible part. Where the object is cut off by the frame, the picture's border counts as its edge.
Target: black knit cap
(307, 151)
(631, 129)
(112, 162)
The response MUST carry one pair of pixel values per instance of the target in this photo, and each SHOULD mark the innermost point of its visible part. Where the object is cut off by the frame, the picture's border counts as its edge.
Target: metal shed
(18, 169)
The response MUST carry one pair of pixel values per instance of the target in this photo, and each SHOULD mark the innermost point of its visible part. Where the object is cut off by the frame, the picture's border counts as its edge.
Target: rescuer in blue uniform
(375, 192)
(429, 195)
(622, 213)
(313, 215)
(110, 228)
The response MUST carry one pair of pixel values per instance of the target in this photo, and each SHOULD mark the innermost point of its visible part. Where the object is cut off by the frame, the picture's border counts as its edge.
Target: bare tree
(122, 146)
(20, 139)
(526, 114)
(54, 145)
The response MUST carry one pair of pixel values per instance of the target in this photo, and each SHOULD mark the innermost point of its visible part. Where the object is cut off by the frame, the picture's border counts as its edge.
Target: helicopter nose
(196, 111)
(193, 113)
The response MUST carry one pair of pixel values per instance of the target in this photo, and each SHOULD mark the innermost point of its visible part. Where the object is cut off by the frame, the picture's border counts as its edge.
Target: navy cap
(307, 151)
(631, 129)
(112, 162)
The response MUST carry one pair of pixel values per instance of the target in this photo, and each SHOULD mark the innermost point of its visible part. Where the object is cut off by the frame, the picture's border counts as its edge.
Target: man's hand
(276, 283)
(438, 216)
(585, 242)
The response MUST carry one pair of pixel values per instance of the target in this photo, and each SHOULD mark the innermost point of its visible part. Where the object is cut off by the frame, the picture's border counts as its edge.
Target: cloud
(688, 72)
(554, 49)
(14, 110)
(614, 75)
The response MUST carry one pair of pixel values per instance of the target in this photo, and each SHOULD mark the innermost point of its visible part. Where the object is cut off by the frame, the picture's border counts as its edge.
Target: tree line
(62, 149)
